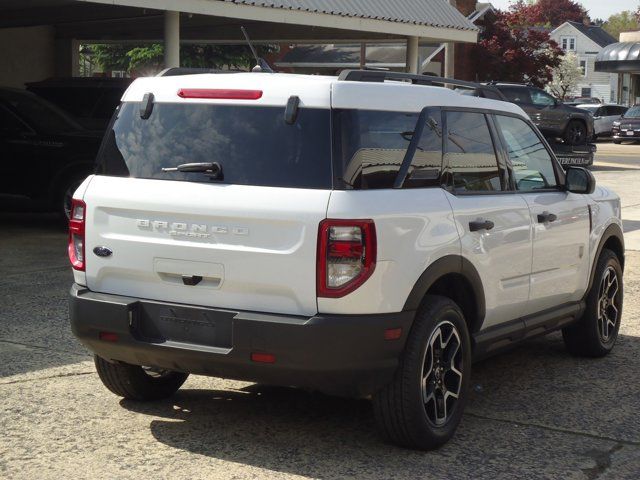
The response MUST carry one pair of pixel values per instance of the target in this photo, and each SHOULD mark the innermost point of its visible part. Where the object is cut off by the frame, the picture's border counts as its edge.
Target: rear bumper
(336, 354)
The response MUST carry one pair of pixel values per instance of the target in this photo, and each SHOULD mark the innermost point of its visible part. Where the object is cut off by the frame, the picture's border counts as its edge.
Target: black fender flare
(438, 269)
(612, 230)
(71, 170)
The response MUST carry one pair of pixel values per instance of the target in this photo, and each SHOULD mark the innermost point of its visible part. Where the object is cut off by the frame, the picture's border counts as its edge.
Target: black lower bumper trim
(336, 354)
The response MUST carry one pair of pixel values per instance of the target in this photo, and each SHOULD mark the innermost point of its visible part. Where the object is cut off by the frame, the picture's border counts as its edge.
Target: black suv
(551, 116)
(47, 153)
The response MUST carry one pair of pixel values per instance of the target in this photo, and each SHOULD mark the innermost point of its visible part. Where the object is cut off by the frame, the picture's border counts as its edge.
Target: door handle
(546, 217)
(481, 224)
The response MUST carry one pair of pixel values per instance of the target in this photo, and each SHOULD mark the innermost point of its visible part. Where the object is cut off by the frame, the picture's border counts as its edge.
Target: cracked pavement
(534, 412)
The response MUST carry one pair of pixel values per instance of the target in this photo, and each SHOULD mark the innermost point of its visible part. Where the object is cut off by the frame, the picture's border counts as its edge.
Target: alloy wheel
(608, 304)
(441, 373)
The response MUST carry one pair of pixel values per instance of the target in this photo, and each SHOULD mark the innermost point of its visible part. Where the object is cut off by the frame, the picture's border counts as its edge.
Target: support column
(413, 57)
(171, 39)
(449, 60)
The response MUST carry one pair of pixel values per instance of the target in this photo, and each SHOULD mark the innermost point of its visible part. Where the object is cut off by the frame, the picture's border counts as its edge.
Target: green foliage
(621, 22)
(149, 58)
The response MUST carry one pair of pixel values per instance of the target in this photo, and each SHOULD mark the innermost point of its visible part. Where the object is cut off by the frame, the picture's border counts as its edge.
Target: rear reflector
(263, 357)
(108, 336)
(218, 94)
(392, 333)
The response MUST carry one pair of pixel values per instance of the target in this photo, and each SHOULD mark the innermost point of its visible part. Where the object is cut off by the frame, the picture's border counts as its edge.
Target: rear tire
(423, 404)
(617, 142)
(137, 383)
(595, 334)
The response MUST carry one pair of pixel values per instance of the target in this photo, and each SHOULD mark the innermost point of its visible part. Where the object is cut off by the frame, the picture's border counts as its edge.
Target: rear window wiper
(212, 169)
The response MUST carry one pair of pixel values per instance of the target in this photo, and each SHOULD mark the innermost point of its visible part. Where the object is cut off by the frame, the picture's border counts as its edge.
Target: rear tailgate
(253, 247)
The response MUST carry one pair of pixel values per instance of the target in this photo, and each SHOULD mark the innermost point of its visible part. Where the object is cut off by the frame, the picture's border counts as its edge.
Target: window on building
(568, 43)
(586, 92)
(583, 67)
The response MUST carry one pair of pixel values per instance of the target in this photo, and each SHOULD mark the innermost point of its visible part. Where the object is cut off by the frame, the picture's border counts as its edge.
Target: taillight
(76, 234)
(346, 256)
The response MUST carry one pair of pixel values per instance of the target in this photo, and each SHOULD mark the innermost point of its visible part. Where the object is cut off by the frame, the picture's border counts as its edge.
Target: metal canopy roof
(295, 21)
(434, 13)
(619, 57)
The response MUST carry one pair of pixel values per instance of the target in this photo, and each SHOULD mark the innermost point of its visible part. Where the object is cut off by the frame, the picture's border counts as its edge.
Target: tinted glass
(470, 157)
(253, 145)
(426, 165)
(44, 116)
(532, 163)
(370, 146)
(541, 99)
(9, 123)
(516, 94)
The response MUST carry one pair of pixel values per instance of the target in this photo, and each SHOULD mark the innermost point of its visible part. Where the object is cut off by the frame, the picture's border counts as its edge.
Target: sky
(597, 8)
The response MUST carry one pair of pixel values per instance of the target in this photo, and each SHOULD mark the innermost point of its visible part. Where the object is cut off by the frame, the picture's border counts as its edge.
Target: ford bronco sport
(368, 235)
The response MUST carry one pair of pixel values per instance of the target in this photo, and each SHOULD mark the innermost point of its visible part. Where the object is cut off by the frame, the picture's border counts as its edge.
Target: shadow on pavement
(537, 392)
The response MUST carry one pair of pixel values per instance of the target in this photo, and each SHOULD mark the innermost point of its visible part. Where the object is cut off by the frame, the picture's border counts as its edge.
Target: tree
(515, 53)
(621, 22)
(565, 76)
(148, 59)
(545, 13)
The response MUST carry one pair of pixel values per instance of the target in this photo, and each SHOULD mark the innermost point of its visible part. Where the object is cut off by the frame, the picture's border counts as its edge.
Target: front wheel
(576, 133)
(595, 334)
(422, 406)
(138, 383)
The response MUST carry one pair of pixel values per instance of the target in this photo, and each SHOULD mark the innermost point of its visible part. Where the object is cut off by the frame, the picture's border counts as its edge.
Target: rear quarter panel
(414, 228)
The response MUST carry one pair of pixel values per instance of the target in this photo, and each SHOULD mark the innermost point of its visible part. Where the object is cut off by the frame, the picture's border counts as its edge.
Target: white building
(586, 41)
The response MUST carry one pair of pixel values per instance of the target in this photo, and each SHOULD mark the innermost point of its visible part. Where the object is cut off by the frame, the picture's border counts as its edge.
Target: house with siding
(586, 41)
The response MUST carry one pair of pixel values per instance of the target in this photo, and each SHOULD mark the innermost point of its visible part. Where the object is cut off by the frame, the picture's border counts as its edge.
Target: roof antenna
(261, 63)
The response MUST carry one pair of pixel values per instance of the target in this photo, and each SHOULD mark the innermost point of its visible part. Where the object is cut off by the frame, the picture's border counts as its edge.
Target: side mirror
(579, 180)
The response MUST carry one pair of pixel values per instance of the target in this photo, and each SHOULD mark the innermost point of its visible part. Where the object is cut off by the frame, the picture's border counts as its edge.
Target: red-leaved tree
(513, 52)
(547, 13)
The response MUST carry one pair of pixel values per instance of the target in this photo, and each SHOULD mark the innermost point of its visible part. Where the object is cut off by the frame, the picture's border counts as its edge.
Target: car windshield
(633, 112)
(253, 145)
(42, 115)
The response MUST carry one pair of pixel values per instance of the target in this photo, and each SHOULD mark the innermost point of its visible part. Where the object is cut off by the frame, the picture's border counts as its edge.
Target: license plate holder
(161, 323)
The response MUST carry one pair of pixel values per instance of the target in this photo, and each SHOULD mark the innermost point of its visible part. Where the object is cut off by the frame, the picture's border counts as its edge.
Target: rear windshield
(254, 145)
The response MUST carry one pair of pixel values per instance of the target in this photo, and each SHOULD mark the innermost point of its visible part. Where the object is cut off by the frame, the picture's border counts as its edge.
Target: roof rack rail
(173, 71)
(478, 89)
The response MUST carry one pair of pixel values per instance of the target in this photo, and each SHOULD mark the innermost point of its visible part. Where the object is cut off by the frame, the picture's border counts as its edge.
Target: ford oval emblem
(102, 251)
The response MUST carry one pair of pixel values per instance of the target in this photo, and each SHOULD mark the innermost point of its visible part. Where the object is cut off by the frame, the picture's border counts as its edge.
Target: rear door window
(253, 145)
(470, 157)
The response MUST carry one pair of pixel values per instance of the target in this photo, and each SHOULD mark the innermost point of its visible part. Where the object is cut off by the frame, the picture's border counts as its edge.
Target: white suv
(367, 235)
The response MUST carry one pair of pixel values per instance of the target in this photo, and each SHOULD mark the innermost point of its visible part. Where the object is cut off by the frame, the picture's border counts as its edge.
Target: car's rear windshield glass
(253, 145)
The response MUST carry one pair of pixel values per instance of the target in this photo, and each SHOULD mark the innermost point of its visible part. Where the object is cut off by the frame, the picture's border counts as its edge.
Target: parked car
(603, 117)
(586, 101)
(91, 101)
(350, 235)
(551, 116)
(628, 126)
(47, 154)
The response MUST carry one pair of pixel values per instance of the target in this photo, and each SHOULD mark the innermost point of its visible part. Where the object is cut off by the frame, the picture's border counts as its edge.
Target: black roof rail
(429, 80)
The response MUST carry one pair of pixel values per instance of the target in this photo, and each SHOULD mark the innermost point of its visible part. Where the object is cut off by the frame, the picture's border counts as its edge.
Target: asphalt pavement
(534, 412)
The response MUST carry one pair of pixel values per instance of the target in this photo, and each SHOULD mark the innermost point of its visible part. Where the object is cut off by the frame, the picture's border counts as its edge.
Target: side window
(9, 123)
(371, 145)
(602, 112)
(532, 163)
(541, 99)
(426, 165)
(470, 157)
(516, 94)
